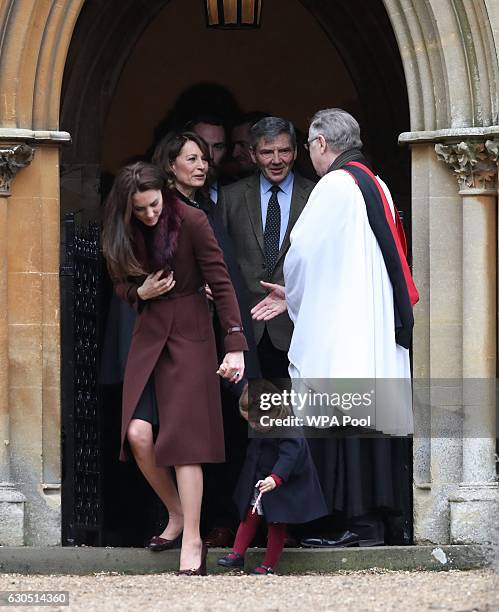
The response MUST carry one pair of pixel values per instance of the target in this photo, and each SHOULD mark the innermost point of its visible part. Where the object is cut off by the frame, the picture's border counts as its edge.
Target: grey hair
(340, 130)
(270, 128)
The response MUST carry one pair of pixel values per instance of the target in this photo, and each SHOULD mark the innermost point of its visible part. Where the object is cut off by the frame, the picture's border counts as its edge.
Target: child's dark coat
(299, 499)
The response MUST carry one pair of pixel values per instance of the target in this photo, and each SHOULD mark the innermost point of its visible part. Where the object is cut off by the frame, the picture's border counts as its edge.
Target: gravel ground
(373, 590)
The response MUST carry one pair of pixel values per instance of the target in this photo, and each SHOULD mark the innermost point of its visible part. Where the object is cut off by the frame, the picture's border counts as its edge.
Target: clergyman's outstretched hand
(271, 306)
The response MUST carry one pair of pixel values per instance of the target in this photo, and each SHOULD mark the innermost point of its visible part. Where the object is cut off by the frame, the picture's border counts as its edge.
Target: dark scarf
(155, 246)
(348, 156)
(200, 200)
(390, 240)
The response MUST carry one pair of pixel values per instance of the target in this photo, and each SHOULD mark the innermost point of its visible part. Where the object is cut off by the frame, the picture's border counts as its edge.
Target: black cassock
(299, 499)
(362, 478)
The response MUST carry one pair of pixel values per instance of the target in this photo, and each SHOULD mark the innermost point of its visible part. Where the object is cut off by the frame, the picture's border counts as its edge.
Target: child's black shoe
(233, 559)
(262, 570)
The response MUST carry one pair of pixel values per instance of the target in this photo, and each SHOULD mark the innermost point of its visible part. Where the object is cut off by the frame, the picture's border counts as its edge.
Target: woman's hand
(266, 485)
(208, 292)
(153, 286)
(271, 306)
(232, 367)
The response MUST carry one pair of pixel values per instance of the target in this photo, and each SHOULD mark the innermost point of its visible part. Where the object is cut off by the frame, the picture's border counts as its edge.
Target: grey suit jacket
(240, 210)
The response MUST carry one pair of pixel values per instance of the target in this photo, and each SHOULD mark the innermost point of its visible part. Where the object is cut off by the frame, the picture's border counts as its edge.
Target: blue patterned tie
(272, 231)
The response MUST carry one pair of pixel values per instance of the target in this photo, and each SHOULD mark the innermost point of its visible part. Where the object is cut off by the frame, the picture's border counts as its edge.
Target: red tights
(276, 536)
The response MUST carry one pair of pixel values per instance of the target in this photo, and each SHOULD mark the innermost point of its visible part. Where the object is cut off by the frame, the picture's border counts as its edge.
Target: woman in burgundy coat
(160, 254)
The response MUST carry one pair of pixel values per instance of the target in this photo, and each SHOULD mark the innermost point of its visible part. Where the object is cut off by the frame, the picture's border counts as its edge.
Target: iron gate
(80, 282)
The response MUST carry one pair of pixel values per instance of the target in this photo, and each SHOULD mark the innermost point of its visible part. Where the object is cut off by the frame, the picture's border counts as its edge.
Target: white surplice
(340, 299)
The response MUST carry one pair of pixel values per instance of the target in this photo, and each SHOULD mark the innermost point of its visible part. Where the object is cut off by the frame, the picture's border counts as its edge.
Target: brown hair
(250, 405)
(122, 241)
(170, 147)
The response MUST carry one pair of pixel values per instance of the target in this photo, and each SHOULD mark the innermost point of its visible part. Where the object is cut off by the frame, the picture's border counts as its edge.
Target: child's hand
(264, 486)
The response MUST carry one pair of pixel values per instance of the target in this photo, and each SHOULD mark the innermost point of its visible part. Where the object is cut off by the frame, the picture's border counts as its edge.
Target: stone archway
(86, 104)
(449, 52)
(449, 57)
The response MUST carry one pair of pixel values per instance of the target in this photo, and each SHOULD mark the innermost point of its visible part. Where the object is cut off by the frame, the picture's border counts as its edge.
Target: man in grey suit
(259, 213)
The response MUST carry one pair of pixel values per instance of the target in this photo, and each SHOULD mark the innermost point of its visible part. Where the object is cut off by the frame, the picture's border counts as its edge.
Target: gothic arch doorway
(127, 66)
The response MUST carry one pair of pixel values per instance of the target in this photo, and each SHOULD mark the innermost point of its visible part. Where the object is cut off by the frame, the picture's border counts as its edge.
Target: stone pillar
(34, 344)
(30, 334)
(437, 256)
(474, 505)
(12, 501)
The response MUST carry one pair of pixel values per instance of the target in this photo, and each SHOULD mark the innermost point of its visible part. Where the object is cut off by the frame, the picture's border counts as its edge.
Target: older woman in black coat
(190, 184)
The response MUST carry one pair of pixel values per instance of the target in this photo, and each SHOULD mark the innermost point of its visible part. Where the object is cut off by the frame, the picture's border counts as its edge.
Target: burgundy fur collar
(155, 247)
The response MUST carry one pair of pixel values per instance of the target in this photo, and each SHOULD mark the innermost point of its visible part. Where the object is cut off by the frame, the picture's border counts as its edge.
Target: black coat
(299, 499)
(252, 366)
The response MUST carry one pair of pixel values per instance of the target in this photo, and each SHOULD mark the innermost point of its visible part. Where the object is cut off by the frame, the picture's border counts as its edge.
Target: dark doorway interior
(128, 64)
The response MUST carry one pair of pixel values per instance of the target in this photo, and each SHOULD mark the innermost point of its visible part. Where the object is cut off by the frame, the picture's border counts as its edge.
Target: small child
(278, 482)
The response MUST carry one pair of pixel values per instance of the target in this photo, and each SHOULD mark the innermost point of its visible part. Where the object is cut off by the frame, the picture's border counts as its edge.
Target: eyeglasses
(307, 144)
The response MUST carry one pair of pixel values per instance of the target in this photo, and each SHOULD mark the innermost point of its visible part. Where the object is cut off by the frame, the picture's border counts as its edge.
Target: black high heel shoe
(201, 570)
(158, 544)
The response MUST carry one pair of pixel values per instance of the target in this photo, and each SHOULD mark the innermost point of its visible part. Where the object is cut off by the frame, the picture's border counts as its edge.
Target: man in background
(243, 164)
(259, 213)
(212, 130)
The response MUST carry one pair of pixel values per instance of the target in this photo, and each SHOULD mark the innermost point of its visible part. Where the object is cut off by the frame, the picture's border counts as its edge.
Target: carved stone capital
(474, 163)
(492, 146)
(12, 158)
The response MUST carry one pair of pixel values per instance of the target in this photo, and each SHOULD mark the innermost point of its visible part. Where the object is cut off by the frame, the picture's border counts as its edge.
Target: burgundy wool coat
(173, 337)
